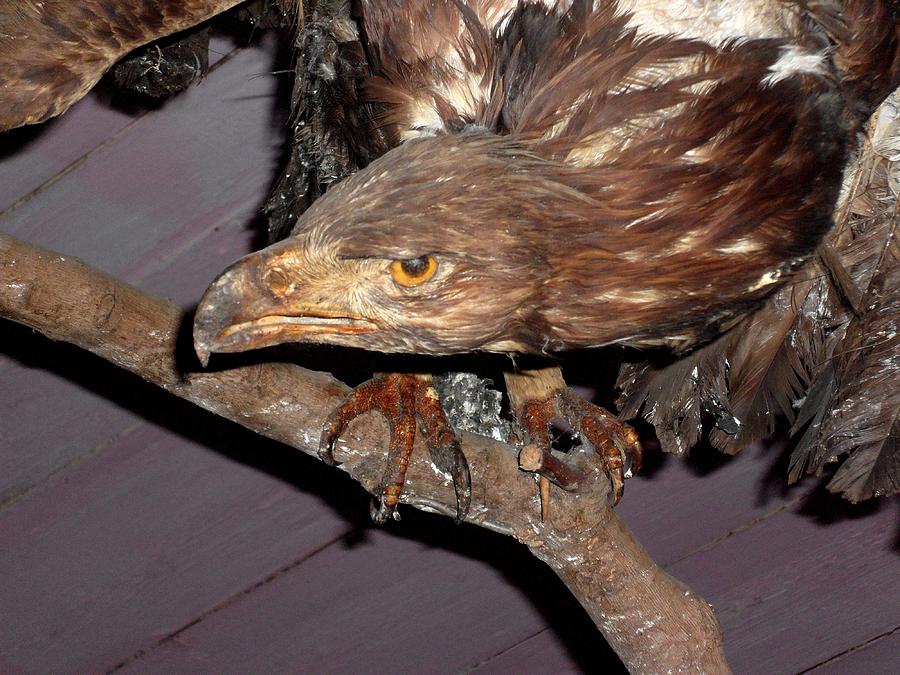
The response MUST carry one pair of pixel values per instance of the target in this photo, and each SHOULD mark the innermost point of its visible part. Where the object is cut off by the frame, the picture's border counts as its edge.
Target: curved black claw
(450, 459)
(380, 513)
(402, 399)
(446, 451)
(362, 399)
(327, 443)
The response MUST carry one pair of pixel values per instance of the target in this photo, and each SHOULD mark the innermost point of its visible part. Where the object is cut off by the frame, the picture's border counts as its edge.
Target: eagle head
(422, 251)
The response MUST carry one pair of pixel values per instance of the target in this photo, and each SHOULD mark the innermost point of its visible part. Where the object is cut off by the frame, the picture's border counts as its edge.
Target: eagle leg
(535, 417)
(540, 396)
(402, 399)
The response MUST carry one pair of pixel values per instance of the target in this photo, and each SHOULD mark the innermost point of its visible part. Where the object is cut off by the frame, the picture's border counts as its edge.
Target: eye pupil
(415, 267)
(413, 271)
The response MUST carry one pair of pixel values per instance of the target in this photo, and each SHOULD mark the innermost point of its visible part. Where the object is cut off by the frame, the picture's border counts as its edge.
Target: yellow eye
(414, 271)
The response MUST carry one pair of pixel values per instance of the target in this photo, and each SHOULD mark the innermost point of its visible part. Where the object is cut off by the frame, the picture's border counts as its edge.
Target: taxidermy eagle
(528, 177)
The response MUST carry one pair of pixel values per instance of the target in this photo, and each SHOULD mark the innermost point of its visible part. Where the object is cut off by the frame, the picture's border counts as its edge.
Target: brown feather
(854, 402)
(674, 397)
(806, 348)
(864, 411)
(333, 127)
(53, 51)
(642, 117)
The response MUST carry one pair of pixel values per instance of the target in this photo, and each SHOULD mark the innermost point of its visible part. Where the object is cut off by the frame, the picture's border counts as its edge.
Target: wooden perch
(651, 620)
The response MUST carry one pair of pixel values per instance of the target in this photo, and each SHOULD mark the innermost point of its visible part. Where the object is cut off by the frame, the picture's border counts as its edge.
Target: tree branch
(651, 620)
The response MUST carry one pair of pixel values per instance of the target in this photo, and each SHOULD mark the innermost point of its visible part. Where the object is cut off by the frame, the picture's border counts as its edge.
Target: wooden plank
(550, 652)
(146, 536)
(203, 161)
(791, 591)
(879, 657)
(82, 400)
(387, 603)
(55, 408)
(176, 245)
(683, 505)
(33, 155)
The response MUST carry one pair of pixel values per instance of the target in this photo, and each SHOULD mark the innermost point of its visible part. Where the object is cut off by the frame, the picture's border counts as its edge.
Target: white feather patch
(794, 60)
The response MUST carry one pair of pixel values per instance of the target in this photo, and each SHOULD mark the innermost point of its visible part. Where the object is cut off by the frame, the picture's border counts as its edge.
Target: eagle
(533, 177)
(557, 176)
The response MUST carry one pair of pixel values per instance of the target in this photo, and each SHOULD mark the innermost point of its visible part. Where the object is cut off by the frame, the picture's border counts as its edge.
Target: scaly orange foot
(403, 400)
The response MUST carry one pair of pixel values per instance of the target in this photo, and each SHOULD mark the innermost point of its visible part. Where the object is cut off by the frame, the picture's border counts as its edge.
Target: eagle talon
(617, 443)
(614, 442)
(446, 451)
(326, 448)
(402, 399)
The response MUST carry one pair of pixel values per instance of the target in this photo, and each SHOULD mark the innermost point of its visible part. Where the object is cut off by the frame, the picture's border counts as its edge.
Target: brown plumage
(573, 181)
(658, 181)
(823, 352)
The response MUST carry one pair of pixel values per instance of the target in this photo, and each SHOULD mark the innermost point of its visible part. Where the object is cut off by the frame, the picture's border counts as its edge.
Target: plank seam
(490, 658)
(74, 164)
(75, 461)
(851, 650)
(171, 637)
(743, 527)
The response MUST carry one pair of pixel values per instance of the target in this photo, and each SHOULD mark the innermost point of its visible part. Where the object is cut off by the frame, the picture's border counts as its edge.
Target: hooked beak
(243, 309)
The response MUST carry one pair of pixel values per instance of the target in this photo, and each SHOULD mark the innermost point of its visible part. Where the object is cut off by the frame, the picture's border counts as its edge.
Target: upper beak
(241, 310)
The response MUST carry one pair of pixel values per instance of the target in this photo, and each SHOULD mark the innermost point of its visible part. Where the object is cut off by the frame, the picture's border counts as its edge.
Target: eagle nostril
(277, 281)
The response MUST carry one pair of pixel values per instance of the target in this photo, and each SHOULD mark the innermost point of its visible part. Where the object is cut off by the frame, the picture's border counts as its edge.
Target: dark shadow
(110, 95)
(896, 545)
(773, 484)
(817, 502)
(231, 25)
(825, 507)
(655, 460)
(183, 418)
(17, 140)
(534, 579)
(705, 460)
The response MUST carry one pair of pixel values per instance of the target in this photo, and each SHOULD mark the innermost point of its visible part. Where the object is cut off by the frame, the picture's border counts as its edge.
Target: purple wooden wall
(142, 534)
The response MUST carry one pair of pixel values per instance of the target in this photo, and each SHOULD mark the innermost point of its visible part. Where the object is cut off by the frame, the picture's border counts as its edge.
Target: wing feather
(824, 352)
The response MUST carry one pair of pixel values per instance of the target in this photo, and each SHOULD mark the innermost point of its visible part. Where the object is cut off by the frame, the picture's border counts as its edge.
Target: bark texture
(651, 620)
